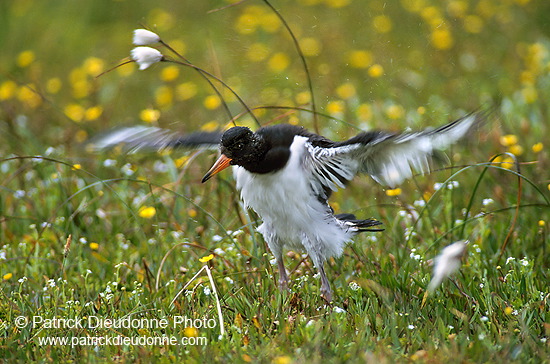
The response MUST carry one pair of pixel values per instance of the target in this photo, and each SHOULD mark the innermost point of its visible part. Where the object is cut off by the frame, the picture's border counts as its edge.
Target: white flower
(144, 37)
(109, 163)
(447, 262)
(487, 201)
(354, 286)
(419, 203)
(338, 309)
(146, 56)
(484, 319)
(410, 327)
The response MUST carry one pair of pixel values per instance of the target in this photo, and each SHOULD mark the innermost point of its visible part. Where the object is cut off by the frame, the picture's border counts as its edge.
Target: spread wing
(387, 157)
(152, 139)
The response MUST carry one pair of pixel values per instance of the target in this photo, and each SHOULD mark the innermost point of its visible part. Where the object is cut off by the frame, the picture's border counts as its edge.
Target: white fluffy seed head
(146, 56)
(447, 262)
(144, 37)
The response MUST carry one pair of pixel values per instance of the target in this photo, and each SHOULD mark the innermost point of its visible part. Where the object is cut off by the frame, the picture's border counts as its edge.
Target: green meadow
(114, 257)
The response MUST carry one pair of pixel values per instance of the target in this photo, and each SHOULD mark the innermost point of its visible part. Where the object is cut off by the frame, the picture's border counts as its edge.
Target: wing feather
(152, 139)
(388, 158)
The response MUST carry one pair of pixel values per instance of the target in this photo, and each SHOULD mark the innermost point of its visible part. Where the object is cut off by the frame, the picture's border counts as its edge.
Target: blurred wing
(388, 158)
(152, 139)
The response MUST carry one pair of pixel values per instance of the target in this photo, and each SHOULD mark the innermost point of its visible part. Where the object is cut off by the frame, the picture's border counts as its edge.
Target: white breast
(289, 208)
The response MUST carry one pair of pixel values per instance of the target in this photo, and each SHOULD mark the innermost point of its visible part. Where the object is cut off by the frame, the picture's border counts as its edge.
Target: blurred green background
(141, 225)
(374, 64)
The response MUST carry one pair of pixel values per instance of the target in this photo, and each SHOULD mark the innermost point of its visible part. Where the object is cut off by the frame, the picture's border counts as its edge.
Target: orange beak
(222, 163)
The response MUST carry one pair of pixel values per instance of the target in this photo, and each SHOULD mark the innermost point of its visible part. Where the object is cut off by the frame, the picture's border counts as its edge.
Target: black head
(242, 146)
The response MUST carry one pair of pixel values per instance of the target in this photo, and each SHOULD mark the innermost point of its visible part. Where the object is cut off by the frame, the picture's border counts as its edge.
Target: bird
(286, 174)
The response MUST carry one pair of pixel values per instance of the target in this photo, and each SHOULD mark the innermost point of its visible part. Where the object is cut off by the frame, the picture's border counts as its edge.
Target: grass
(89, 237)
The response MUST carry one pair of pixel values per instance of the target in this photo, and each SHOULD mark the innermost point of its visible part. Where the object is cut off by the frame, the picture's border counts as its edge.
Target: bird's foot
(326, 294)
(283, 284)
(283, 277)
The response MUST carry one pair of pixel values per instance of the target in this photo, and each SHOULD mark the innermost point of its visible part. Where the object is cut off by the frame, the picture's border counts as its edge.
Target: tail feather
(359, 225)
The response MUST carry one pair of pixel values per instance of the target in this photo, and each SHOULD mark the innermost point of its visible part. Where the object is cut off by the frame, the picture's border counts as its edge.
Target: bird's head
(239, 146)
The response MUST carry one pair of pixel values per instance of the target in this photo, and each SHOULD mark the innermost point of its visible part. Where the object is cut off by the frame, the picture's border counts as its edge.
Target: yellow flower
(335, 107)
(395, 111)
(508, 140)
(206, 258)
(147, 212)
(537, 148)
(75, 112)
(180, 162)
(149, 115)
(303, 98)
(25, 58)
(508, 310)
(81, 88)
(94, 246)
(169, 73)
(27, 95)
(257, 52)
(7, 90)
(473, 24)
(162, 19)
(364, 112)
(270, 22)
(92, 113)
(430, 13)
(247, 23)
(186, 90)
(282, 360)
(278, 62)
(457, 8)
(542, 223)
(310, 47)
(190, 332)
(80, 136)
(94, 66)
(192, 213)
(53, 85)
(346, 91)
(337, 3)
(421, 110)
(375, 71)
(382, 24)
(127, 70)
(7, 276)
(293, 119)
(212, 102)
(530, 94)
(516, 149)
(164, 96)
(442, 39)
(76, 167)
(211, 126)
(360, 59)
(394, 192)
(504, 161)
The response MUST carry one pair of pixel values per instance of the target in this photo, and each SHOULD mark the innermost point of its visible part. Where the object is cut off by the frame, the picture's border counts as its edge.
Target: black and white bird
(286, 174)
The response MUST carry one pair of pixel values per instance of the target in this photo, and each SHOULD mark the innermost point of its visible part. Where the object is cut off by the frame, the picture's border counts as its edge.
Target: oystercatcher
(286, 174)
